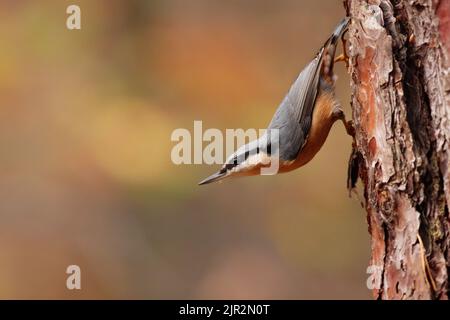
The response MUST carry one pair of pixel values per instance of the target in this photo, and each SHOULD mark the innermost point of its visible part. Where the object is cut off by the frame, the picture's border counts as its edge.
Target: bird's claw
(349, 127)
(343, 56)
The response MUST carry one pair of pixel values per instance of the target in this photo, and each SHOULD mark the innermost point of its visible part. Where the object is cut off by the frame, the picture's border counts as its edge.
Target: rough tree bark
(400, 78)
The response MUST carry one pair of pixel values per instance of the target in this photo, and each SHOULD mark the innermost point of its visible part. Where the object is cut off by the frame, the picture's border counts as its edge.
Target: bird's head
(248, 160)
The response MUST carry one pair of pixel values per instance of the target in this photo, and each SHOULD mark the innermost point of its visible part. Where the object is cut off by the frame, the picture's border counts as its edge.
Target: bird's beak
(213, 178)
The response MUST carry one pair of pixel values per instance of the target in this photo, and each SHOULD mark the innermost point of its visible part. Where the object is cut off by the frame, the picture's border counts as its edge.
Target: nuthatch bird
(302, 121)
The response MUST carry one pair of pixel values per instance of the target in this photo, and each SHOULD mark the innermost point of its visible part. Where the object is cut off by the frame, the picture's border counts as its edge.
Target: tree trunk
(400, 78)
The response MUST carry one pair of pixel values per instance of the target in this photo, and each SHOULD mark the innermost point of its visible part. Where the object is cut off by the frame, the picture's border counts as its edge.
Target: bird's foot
(340, 58)
(343, 56)
(349, 127)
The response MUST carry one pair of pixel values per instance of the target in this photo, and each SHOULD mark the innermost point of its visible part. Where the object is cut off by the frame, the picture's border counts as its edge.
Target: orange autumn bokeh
(86, 176)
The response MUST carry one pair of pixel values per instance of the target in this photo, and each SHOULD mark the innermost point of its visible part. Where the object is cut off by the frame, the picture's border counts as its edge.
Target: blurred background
(86, 176)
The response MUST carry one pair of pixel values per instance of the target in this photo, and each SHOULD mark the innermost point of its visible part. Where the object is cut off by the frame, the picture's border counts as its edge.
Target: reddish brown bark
(400, 100)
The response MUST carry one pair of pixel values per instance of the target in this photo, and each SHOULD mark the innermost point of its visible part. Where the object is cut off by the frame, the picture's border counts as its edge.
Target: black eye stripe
(234, 162)
(229, 166)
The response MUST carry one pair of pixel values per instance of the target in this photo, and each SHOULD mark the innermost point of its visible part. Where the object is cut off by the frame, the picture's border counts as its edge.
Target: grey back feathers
(293, 117)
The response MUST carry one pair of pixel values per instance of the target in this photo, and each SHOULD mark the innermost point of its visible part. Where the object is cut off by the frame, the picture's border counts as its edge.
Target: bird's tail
(330, 48)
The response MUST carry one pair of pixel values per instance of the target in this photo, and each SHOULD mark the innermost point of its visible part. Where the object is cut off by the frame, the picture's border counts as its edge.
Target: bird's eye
(269, 149)
(228, 166)
(236, 161)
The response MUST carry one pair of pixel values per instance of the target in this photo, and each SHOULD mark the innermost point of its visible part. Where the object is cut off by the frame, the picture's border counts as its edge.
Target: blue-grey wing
(294, 115)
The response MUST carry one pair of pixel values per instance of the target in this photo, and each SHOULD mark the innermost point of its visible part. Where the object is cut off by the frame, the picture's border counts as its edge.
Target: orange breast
(321, 124)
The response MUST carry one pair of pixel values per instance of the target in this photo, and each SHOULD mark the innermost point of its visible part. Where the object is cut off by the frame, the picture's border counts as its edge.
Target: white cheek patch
(252, 161)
